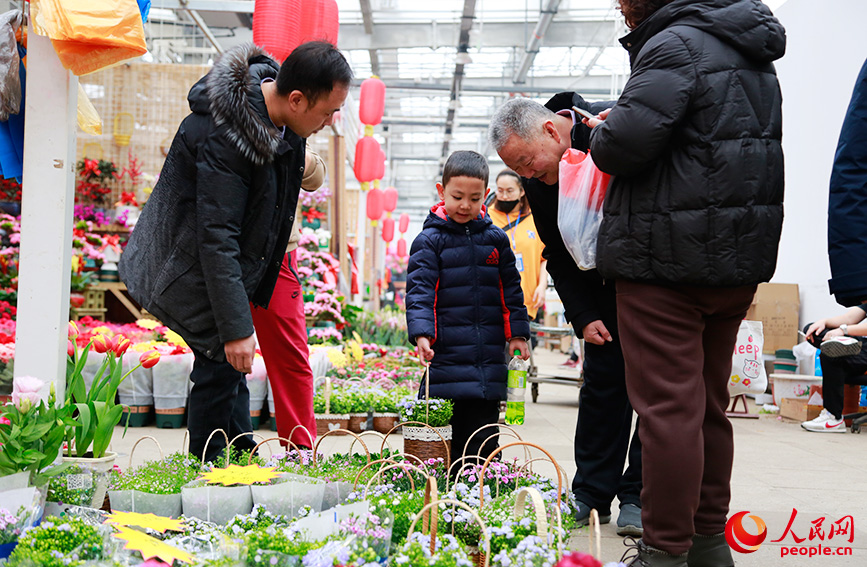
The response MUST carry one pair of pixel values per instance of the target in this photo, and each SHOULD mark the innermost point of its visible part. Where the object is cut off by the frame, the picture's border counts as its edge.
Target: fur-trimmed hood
(231, 92)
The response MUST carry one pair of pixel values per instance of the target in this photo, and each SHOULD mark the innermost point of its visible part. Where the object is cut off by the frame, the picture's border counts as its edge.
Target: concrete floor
(778, 467)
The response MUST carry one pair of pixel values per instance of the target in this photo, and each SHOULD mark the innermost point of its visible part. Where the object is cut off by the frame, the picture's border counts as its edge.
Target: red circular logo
(739, 539)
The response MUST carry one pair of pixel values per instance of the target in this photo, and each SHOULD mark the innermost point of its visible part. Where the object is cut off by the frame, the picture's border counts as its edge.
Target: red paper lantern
(276, 26)
(389, 202)
(380, 165)
(388, 229)
(319, 21)
(401, 248)
(403, 225)
(371, 101)
(374, 204)
(367, 153)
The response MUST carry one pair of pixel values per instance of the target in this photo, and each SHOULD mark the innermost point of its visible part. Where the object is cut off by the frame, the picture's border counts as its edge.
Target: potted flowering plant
(331, 409)
(360, 403)
(57, 542)
(32, 431)
(448, 552)
(96, 410)
(154, 487)
(427, 442)
(385, 415)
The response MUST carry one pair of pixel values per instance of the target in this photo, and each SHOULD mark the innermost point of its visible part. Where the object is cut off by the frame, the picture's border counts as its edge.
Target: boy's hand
(521, 345)
(425, 354)
(816, 327)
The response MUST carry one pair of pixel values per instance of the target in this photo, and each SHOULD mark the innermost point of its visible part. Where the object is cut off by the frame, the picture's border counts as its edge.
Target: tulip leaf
(105, 429)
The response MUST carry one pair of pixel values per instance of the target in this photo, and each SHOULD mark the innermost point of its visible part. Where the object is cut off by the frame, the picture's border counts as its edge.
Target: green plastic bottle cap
(517, 351)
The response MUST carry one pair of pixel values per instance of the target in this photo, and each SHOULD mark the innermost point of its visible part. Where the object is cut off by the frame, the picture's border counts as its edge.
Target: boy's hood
(439, 219)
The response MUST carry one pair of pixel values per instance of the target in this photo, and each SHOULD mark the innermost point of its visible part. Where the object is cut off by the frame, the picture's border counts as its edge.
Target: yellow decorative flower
(337, 358)
(174, 338)
(355, 351)
(148, 324)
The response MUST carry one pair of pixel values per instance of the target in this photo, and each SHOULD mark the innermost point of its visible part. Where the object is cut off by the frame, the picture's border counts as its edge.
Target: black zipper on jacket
(478, 315)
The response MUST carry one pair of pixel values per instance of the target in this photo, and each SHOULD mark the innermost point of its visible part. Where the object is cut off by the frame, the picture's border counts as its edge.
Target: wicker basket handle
(208, 441)
(142, 438)
(338, 432)
(429, 520)
(538, 505)
(594, 525)
(404, 466)
(263, 441)
(305, 430)
(476, 517)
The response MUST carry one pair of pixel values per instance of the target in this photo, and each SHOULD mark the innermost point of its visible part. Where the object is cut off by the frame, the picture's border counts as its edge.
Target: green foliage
(387, 327)
(339, 403)
(59, 488)
(359, 400)
(436, 412)
(32, 438)
(57, 542)
(280, 542)
(79, 281)
(165, 476)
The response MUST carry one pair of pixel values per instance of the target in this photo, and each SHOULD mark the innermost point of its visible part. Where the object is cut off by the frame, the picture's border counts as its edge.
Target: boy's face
(463, 197)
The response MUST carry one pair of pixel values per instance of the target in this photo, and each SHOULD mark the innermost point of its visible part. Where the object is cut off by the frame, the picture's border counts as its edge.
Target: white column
(46, 216)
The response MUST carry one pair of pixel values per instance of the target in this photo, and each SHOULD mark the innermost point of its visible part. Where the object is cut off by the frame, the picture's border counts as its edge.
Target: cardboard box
(777, 306)
(798, 410)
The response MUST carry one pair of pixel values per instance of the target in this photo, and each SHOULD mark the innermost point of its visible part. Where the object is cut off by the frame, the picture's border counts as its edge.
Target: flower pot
(326, 422)
(76, 299)
(287, 494)
(100, 470)
(357, 422)
(138, 416)
(168, 505)
(427, 442)
(214, 503)
(384, 422)
(171, 418)
(6, 549)
(171, 378)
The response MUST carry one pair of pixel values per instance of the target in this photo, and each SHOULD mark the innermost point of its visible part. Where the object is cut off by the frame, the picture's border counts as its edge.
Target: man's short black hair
(313, 68)
(466, 164)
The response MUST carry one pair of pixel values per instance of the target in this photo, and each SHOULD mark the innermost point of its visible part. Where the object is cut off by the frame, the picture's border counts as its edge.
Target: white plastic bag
(579, 213)
(748, 369)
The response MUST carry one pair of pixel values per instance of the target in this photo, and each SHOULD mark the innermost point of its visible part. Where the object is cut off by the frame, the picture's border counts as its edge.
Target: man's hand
(595, 333)
(521, 345)
(239, 353)
(425, 354)
(816, 327)
(594, 122)
(539, 295)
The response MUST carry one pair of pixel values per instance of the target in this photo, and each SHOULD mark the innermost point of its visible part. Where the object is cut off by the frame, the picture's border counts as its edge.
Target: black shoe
(710, 551)
(582, 515)
(629, 521)
(639, 554)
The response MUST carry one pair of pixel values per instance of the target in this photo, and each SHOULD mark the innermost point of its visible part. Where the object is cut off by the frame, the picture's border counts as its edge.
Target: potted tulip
(95, 408)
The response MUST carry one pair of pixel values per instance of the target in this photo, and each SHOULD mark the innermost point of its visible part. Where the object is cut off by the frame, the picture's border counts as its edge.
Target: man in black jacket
(531, 139)
(212, 236)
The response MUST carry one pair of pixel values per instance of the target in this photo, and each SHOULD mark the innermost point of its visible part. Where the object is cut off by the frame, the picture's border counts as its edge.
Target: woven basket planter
(385, 422)
(326, 422)
(427, 442)
(357, 422)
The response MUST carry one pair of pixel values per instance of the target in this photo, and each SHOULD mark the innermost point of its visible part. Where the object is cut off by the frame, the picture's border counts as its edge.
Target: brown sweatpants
(677, 342)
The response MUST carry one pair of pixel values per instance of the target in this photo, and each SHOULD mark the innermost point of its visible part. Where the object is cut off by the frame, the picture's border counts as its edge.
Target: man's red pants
(282, 334)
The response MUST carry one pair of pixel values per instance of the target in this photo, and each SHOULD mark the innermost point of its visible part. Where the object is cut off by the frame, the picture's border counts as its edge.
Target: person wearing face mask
(511, 212)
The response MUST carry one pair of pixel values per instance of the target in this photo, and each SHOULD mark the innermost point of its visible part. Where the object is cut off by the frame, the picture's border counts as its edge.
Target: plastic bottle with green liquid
(515, 386)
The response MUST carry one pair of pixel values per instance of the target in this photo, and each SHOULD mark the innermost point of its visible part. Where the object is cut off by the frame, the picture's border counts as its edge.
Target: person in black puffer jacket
(464, 303)
(211, 239)
(691, 225)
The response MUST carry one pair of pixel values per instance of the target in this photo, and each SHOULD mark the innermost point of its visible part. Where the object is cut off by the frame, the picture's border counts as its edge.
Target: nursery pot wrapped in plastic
(288, 493)
(168, 505)
(171, 379)
(215, 503)
(136, 391)
(98, 471)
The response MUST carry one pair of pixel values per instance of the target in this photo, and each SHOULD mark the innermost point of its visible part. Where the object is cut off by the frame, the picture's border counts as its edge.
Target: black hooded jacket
(213, 233)
(694, 143)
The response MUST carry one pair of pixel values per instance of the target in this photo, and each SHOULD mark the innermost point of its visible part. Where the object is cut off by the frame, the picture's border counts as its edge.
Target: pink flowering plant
(324, 336)
(32, 430)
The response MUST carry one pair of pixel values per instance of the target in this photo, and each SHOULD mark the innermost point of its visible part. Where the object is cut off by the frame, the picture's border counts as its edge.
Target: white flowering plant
(57, 542)
(448, 552)
(531, 551)
(436, 412)
(164, 476)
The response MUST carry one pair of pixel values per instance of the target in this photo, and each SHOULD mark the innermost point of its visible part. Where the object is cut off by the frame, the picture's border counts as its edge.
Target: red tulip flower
(70, 348)
(121, 346)
(73, 330)
(150, 358)
(577, 559)
(101, 344)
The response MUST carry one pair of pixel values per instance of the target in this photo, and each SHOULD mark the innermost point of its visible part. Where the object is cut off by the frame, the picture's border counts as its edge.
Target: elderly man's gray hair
(521, 117)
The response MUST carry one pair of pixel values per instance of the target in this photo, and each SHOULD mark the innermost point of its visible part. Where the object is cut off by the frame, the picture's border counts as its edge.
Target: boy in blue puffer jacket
(464, 302)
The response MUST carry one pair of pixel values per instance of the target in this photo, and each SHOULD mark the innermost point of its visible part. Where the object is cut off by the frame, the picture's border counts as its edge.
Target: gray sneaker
(582, 515)
(840, 346)
(710, 551)
(639, 554)
(629, 521)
